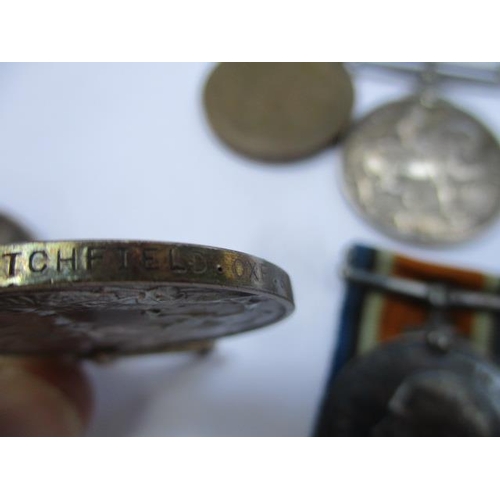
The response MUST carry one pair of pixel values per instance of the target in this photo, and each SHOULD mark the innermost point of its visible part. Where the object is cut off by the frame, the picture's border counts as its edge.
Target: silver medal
(430, 381)
(423, 171)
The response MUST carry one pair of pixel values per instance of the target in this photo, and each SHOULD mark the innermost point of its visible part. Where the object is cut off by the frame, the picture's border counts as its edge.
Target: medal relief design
(88, 298)
(408, 388)
(425, 173)
(120, 319)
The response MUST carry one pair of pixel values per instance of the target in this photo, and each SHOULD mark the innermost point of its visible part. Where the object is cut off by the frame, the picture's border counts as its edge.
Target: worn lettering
(93, 254)
(239, 267)
(199, 263)
(149, 259)
(12, 262)
(253, 270)
(123, 257)
(71, 261)
(176, 264)
(37, 262)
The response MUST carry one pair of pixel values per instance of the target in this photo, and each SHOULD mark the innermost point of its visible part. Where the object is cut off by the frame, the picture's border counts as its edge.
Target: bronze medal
(278, 111)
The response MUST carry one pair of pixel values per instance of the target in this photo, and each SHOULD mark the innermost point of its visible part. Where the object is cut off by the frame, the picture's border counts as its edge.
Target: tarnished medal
(278, 111)
(93, 298)
(423, 170)
(417, 352)
(412, 387)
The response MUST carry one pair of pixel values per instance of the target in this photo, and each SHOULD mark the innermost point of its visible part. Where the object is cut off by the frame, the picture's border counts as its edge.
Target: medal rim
(275, 286)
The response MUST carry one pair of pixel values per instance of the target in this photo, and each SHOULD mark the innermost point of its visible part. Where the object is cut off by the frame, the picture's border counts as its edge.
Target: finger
(43, 397)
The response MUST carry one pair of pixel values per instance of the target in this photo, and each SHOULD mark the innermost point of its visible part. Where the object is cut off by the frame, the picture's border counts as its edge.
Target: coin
(12, 232)
(426, 173)
(278, 111)
(94, 298)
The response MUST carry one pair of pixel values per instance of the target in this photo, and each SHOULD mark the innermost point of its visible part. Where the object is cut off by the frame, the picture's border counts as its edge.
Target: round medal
(423, 172)
(91, 298)
(278, 111)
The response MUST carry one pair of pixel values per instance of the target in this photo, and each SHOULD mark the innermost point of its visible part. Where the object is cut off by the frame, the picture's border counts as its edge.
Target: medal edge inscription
(66, 263)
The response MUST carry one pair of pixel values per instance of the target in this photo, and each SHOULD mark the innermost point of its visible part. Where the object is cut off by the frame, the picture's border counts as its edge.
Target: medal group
(417, 344)
(417, 350)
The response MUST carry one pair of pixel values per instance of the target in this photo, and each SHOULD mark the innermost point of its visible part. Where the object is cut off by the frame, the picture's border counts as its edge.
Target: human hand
(43, 397)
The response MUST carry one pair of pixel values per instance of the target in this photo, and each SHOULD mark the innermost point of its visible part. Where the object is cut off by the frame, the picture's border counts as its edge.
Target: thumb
(43, 397)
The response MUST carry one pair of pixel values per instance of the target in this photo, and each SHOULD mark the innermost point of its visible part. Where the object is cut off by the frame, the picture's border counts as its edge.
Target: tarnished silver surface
(92, 298)
(423, 172)
(408, 387)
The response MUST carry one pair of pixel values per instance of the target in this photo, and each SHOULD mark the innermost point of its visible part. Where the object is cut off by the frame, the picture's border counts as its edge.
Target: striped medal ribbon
(388, 294)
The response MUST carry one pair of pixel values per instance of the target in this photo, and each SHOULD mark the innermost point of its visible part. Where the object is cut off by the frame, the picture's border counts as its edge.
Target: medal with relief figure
(93, 298)
(423, 170)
